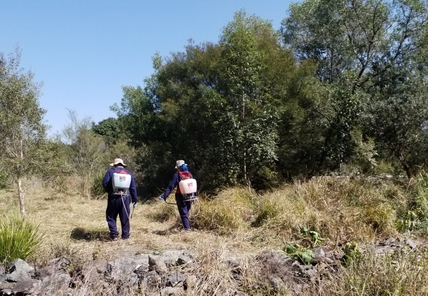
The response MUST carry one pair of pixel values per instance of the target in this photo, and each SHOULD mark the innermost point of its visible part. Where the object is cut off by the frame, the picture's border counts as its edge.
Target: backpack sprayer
(188, 188)
(121, 182)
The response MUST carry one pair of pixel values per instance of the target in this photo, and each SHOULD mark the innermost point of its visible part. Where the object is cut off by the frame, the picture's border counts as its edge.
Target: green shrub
(4, 180)
(18, 238)
(97, 189)
(162, 215)
(380, 216)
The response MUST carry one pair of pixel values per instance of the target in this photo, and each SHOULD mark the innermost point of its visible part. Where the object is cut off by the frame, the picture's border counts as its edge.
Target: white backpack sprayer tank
(121, 182)
(188, 186)
(188, 189)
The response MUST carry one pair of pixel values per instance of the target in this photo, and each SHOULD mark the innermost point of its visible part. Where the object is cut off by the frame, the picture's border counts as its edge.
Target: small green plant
(18, 238)
(300, 253)
(352, 252)
(315, 237)
(408, 222)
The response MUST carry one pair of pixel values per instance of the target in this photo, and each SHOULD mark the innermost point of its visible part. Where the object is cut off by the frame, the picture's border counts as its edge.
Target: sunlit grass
(238, 224)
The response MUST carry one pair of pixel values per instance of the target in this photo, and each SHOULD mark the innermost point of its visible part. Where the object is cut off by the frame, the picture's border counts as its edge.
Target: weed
(163, 214)
(408, 222)
(19, 238)
(229, 212)
(297, 252)
(352, 253)
(316, 239)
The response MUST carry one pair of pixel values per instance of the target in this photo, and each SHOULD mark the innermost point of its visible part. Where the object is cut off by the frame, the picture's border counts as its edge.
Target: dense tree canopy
(371, 64)
(341, 83)
(218, 106)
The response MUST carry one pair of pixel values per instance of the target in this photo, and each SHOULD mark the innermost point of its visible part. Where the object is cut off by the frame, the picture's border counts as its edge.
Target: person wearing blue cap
(184, 206)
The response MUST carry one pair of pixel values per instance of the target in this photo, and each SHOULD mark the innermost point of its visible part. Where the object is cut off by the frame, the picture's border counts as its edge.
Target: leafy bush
(4, 180)
(97, 189)
(18, 238)
(380, 216)
(163, 214)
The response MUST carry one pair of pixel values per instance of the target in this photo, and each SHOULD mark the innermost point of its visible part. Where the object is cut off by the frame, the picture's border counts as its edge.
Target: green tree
(87, 148)
(253, 113)
(216, 106)
(221, 103)
(109, 129)
(361, 48)
(398, 101)
(21, 123)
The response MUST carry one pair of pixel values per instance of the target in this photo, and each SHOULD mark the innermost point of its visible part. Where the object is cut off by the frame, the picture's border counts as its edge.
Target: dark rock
(151, 281)
(122, 269)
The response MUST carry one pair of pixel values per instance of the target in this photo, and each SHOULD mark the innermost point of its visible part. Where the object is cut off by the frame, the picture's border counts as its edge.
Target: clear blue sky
(84, 51)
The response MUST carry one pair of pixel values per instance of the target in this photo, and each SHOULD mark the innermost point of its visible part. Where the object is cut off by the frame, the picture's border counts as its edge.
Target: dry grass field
(78, 224)
(237, 223)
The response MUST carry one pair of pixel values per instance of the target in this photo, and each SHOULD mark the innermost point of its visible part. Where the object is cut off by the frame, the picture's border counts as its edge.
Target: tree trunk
(21, 196)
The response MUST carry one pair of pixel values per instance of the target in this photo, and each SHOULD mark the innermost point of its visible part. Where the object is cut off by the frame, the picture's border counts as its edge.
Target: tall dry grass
(235, 224)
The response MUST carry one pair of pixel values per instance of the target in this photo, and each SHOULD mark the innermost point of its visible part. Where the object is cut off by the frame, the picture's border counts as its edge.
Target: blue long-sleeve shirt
(108, 183)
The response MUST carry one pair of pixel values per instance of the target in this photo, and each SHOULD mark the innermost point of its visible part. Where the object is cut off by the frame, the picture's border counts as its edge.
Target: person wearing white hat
(183, 205)
(119, 197)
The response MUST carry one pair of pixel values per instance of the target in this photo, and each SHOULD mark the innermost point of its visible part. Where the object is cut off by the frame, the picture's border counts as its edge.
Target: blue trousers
(118, 206)
(184, 208)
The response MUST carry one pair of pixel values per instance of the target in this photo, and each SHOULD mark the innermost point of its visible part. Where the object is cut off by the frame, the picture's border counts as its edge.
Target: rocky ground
(171, 272)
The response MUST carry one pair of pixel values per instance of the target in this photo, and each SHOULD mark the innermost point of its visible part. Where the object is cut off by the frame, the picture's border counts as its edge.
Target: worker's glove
(134, 204)
(161, 197)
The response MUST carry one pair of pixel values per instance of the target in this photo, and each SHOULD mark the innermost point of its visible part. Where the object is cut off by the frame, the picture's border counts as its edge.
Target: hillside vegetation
(311, 136)
(327, 212)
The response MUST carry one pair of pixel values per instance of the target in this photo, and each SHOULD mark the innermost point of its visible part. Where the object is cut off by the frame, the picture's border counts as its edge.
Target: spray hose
(129, 215)
(194, 200)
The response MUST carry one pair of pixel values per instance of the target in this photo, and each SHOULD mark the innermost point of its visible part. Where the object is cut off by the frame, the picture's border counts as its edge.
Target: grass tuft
(19, 238)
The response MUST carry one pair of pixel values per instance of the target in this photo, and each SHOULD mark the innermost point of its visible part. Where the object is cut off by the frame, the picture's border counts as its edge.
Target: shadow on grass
(177, 227)
(80, 233)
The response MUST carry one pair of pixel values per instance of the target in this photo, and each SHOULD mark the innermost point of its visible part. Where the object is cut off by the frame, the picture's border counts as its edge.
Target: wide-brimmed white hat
(118, 161)
(179, 163)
